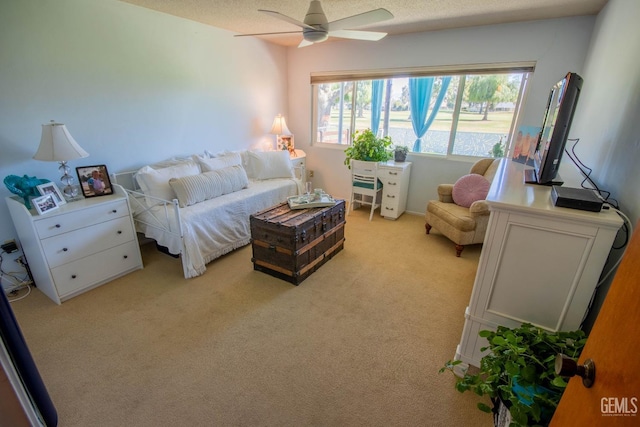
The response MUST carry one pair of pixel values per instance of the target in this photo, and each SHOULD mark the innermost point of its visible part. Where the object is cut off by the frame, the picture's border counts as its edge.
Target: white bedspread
(215, 227)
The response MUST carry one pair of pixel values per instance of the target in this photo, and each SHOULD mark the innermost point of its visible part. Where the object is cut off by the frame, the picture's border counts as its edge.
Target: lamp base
(70, 192)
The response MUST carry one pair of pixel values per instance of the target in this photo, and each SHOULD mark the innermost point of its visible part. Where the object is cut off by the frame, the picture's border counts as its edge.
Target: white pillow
(210, 164)
(270, 164)
(155, 182)
(208, 185)
(173, 161)
(211, 154)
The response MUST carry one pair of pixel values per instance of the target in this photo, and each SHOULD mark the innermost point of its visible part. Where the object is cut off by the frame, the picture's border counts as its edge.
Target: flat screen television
(563, 99)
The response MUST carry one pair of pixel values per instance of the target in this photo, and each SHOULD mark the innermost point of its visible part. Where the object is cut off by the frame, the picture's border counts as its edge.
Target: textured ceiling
(242, 16)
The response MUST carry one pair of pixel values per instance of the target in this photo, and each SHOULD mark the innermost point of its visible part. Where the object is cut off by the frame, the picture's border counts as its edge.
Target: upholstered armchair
(463, 221)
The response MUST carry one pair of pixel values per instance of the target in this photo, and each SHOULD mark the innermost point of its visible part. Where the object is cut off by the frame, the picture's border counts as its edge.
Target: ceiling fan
(316, 28)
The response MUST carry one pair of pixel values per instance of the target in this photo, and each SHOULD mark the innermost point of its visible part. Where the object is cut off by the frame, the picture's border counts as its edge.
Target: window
(468, 112)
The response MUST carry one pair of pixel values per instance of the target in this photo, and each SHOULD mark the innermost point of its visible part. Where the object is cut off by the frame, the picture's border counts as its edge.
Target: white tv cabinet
(539, 263)
(80, 245)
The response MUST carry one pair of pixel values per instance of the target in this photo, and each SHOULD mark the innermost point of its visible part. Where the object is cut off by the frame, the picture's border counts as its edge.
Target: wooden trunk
(292, 244)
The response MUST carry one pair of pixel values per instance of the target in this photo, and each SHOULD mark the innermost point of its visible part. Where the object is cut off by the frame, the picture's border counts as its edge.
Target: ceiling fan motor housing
(316, 18)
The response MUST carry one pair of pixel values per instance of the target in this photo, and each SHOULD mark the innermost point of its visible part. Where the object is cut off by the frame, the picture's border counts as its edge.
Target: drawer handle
(126, 256)
(73, 276)
(64, 249)
(391, 196)
(392, 183)
(58, 226)
(389, 209)
(114, 211)
(393, 173)
(119, 231)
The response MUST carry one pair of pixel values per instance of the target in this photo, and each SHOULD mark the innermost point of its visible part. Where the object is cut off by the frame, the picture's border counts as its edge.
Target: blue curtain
(419, 98)
(377, 87)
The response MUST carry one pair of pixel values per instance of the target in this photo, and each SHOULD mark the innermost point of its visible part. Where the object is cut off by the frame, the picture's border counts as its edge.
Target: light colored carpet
(358, 343)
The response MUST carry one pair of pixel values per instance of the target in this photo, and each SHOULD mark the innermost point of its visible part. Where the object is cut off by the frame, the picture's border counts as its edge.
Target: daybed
(199, 207)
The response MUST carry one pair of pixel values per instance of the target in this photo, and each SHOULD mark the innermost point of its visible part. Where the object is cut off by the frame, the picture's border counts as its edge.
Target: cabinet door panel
(537, 274)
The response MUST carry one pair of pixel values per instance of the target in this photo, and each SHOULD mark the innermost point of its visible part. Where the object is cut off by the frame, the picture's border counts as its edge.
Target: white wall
(132, 85)
(557, 46)
(607, 118)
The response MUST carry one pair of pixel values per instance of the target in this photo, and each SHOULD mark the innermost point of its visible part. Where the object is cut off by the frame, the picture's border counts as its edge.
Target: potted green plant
(366, 146)
(519, 371)
(400, 153)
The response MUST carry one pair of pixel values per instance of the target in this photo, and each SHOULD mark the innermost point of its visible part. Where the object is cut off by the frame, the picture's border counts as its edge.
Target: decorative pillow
(210, 164)
(208, 185)
(155, 182)
(270, 164)
(172, 161)
(469, 189)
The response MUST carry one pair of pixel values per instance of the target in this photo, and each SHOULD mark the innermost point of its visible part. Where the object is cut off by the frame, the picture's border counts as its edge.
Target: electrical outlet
(9, 246)
(311, 174)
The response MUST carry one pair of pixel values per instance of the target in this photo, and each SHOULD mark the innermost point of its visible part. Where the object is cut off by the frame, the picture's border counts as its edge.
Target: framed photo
(287, 143)
(94, 180)
(52, 188)
(44, 204)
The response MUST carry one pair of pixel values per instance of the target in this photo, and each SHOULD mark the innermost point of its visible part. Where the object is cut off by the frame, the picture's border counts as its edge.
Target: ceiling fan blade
(267, 34)
(365, 18)
(285, 18)
(304, 43)
(357, 35)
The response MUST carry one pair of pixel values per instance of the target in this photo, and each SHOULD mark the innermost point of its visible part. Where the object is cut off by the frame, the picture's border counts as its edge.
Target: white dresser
(539, 263)
(395, 187)
(79, 246)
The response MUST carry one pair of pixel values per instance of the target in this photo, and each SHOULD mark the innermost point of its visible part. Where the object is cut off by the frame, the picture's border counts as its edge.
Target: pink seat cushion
(470, 188)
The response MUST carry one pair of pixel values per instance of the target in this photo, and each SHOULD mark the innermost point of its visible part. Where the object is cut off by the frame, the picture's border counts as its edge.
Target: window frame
(317, 78)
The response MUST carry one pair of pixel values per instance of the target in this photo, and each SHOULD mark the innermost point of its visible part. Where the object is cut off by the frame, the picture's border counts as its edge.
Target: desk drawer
(389, 175)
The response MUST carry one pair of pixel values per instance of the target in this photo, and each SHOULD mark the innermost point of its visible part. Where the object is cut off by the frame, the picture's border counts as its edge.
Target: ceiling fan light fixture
(315, 36)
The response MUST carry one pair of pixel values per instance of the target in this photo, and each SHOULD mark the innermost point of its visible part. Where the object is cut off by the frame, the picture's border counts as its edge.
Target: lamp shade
(58, 145)
(280, 126)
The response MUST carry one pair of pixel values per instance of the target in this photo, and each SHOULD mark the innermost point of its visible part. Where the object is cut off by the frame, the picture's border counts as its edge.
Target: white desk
(395, 187)
(539, 263)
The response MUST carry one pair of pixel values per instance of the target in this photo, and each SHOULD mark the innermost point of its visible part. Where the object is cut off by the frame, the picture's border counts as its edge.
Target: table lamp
(278, 129)
(57, 145)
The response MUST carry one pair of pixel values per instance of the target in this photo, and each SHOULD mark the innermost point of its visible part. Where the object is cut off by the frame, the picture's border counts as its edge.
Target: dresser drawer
(58, 224)
(83, 242)
(96, 268)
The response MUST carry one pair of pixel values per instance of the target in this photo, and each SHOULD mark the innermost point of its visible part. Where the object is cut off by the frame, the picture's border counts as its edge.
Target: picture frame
(287, 143)
(45, 204)
(52, 188)
(94, 180)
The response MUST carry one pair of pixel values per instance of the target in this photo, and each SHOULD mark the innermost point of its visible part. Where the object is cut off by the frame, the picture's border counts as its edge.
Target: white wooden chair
(365, 184)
